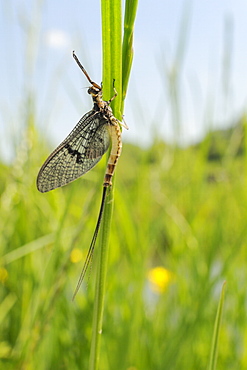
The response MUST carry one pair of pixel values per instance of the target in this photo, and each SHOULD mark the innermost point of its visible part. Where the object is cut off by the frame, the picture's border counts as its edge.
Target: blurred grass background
(178, 232)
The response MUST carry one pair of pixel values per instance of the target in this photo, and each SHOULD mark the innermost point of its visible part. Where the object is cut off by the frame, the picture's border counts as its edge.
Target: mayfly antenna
(84, 71)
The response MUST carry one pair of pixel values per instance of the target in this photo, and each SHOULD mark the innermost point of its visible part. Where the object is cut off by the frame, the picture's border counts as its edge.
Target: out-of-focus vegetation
(178, 232)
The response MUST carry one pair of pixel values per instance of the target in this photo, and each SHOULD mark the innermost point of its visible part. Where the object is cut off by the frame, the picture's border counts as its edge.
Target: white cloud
(56, 39)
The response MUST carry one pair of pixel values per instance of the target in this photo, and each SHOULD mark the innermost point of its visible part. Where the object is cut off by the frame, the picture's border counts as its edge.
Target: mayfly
(82, 149)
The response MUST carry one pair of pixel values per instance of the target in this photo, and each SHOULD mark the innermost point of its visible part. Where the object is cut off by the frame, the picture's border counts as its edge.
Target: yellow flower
(3, 274)
(76, 255)
(159, 278)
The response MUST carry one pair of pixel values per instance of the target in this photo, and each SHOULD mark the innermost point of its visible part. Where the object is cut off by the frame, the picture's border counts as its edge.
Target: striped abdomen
(116, 149)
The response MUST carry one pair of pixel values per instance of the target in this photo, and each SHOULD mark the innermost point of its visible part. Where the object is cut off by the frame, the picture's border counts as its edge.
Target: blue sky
(37, 38)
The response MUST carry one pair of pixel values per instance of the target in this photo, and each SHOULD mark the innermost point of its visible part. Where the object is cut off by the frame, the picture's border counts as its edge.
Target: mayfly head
(95, 90)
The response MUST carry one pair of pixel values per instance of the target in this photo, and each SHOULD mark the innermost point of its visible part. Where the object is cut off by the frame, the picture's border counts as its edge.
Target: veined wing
(78, 153)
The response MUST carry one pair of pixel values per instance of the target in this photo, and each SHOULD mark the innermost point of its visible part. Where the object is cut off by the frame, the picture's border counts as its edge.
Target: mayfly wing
(77, 154)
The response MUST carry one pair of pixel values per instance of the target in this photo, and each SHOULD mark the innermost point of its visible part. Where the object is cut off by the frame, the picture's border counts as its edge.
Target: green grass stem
(112, 71)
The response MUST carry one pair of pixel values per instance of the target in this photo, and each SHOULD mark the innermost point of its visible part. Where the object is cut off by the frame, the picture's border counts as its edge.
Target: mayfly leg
(115, 94)
(123, 123)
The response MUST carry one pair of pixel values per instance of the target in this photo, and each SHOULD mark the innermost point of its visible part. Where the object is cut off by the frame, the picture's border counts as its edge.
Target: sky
(203, 41)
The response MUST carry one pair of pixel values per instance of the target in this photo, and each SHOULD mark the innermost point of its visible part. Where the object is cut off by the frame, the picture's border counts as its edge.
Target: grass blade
(116, 67)
(214, 348)
(112, 70)
(129, 20)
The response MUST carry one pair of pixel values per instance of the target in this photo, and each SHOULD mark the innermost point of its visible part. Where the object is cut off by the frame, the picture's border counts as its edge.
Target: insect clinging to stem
(82, 149)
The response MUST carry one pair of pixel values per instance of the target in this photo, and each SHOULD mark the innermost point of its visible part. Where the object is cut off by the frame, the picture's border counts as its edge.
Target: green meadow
(177, 237)
(181, 210)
